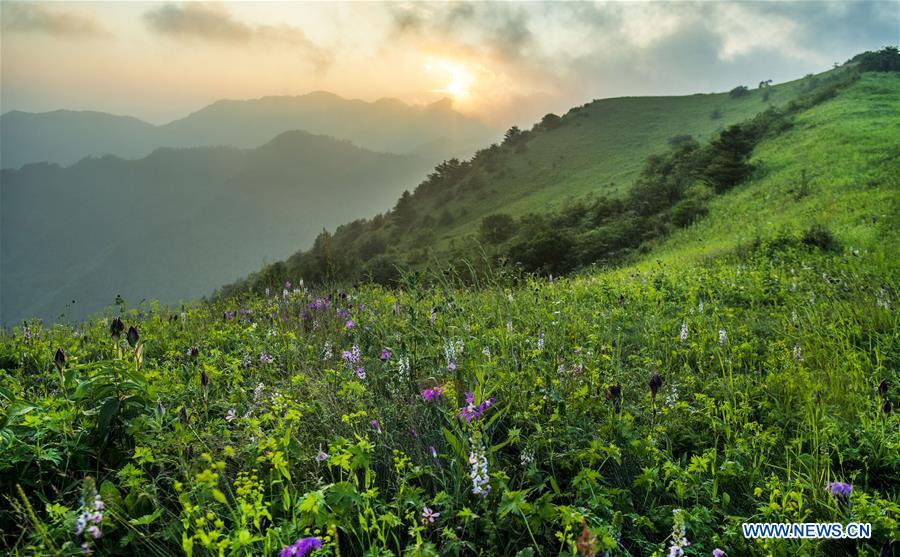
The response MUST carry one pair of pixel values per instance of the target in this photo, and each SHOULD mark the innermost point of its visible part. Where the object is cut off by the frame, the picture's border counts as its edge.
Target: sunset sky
(504, 62)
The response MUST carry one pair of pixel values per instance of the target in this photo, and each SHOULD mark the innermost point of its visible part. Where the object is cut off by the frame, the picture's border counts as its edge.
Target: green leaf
(108, 411)
(146, 519)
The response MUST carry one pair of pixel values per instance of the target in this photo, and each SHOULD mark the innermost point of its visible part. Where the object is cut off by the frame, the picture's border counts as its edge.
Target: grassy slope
(848, 147)
(601, 148)
(746, 427)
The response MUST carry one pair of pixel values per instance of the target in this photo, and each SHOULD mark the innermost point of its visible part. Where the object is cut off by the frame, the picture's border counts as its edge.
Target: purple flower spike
(301, 547)
(718, 552)
(839, 489)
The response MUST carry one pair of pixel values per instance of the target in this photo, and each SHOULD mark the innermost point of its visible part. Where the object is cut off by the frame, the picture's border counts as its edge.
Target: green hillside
(741, 367)
(599, 149)
(838, 167)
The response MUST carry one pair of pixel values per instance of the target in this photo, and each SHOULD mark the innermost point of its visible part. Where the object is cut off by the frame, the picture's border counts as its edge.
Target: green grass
(601, 148)
(847, 148)
(771, 351)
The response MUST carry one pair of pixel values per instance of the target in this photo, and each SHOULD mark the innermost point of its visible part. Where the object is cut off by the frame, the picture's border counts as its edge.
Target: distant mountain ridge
(433, 131)
(172, 225)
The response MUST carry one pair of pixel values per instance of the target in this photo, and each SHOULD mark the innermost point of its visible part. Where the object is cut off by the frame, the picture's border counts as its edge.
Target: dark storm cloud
(38, 18)
(213, 23)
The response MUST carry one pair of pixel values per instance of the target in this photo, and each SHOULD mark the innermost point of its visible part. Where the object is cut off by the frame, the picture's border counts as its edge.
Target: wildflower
(479, 472)
(267, 292)
(230, 415)
(60, 359)
(160, 409)
(385, 355)
(655, 383)
(183, 415)
(887, 407)
(679, 535)
(797, 353)
(614, 394)
(723, 337)
(434, 453)
(322, 456)
(487, 352)
(453, 349)
(349, 324)
(266, 358)
(684, 331)
(883, 387)
(527, 457)
(88, 522)
(375, 426)
(718, 552)
(132, 336)
(471, 412)
(540, 342)
(204, 378)
(326, 350)
(586, 542)
(432, 394)
(116, 328)
(432, 315)
(193, 352)
(429, 515)
(839, 490)
(301, 547)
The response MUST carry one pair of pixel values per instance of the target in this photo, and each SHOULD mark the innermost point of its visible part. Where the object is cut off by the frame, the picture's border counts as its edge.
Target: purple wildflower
(472, 412)
(718, 552)
(266, 358)
(301, 547)
(322, 456)
(429, 515)
(385, 355)
(432, 394)
(839, 489)
(375, 426)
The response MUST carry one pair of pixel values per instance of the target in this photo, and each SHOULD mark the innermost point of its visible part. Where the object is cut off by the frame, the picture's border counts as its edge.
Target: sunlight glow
(460, 78)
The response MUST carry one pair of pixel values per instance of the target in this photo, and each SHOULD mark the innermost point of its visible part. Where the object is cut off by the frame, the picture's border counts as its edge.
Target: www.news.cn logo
(807, 530)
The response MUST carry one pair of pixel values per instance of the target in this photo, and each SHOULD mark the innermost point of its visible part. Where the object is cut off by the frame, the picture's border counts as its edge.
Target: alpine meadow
(311, 326)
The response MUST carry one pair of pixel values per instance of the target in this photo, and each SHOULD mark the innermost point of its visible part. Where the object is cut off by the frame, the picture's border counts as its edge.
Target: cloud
(30, 17)
(211, 22)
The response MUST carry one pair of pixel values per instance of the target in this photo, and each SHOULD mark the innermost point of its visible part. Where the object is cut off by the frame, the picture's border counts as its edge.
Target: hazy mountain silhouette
(432, 131)
(179, 222)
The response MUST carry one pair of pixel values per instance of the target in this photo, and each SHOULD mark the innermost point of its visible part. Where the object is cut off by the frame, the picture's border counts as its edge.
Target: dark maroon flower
(60, 359)
(883, 387)
(204, 379)
(887, 407)
(183, 414)
(656, 382)
(116, 328)
(614, 394)
(132, 336)
(194, 352)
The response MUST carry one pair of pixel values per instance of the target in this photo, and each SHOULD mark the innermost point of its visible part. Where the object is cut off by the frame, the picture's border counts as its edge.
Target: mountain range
(179, 222)
(433, 131)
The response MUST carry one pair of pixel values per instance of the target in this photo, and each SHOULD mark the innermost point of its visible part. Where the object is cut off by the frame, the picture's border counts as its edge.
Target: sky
(503, 62)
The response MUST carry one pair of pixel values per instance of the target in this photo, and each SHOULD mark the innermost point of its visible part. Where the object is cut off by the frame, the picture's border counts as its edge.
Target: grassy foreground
(744, 365)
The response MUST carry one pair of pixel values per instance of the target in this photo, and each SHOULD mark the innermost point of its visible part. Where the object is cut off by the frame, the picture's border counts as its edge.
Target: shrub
(497, 228)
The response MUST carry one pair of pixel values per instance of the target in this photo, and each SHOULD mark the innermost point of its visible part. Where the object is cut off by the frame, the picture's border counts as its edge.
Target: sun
(459, 86)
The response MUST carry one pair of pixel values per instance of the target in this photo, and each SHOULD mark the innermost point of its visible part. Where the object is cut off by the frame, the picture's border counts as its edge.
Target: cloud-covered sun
(460, 79)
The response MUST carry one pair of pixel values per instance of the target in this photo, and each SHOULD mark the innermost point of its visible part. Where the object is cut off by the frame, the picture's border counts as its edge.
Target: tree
(512, 135)
(550, 121)
(404, 213)
(497, 228)
(727, 163)
(738, 91)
